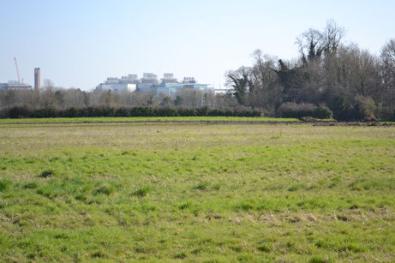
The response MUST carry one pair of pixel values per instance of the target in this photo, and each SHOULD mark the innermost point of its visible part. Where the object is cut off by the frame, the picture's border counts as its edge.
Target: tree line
(58, 98)
(328, 76)
(53, 101)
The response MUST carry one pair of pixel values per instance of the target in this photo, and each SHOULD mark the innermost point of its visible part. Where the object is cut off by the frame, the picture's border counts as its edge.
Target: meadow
(193, 192)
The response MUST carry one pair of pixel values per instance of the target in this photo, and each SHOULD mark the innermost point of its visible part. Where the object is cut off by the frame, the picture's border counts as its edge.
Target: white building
(125, 84)
(131, 78)
(149, 83)
(189, 80)
(169, 78)
(222, 91)
(117, 87)
(14, 85)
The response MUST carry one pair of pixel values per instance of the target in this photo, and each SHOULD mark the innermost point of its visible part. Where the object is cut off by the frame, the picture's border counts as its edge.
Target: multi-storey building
(169, 85)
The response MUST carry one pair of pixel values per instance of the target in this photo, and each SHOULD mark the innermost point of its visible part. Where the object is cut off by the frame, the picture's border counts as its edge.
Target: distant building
(14, 85)
(149, 78)
(171, 89)
(118, 85)
(130, 79)
(148, 83)
(169, 78)
(222, 91)
(189, 80)
(169, 85)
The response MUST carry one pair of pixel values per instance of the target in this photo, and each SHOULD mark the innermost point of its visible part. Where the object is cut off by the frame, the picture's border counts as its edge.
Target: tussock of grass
(31, 185)
(201, 186)
(4, 185)
(142, 192)
(47, 173)
(103, 190)
(317, 259)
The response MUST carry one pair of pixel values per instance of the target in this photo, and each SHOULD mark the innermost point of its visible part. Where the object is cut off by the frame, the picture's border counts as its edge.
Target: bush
(342, 109)
(359, 108)
(16, 112)
(294, 110)
(386, 114)
(323, 112)
(366, 108)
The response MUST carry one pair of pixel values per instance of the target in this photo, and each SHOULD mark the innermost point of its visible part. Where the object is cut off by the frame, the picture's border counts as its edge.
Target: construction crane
(17, 70)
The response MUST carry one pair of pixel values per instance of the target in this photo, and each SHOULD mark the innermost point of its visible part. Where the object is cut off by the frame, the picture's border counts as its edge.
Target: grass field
(196, 193)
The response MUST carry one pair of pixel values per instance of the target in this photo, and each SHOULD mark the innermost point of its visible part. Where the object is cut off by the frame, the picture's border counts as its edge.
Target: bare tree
(313, 43)
(332, 37)
(388, 75)
(265, 89)
(239, 80)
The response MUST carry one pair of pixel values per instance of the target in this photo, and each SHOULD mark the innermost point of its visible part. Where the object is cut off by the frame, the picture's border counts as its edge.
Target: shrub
(17, 112)
(295, 110)
(366, 108)
(342, 109)
(322, 112)
(359, 108)
(386, 114)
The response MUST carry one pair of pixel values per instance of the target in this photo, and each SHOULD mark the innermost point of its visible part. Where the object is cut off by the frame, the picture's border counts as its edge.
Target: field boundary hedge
(24, 112)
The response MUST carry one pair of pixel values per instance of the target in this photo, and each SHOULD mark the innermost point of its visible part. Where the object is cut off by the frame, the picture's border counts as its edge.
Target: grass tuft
(30, 185)
(98, 254)
(180, 255)
(4, 185)
(317, 259)
(185, 205)
(47, 173)
(201, 186)
(103, 190)
(264, 248)
(142, 192)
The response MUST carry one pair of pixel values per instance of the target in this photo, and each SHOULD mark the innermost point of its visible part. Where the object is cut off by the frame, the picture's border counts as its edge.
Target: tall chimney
(37, 79)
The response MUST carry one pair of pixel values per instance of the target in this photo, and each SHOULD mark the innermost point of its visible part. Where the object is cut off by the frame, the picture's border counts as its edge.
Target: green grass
(196, 193)
(146, 119)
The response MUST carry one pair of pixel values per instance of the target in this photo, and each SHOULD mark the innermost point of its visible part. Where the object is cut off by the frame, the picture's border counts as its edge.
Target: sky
(80, 43)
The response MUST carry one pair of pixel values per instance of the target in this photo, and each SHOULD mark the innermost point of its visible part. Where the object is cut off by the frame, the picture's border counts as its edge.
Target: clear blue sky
(81, 42)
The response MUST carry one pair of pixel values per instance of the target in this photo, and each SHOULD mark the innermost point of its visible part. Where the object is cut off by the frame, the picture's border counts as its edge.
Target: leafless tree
(388, 75)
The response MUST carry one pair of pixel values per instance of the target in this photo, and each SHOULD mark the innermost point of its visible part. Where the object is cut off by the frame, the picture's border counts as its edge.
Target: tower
(37, 79)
